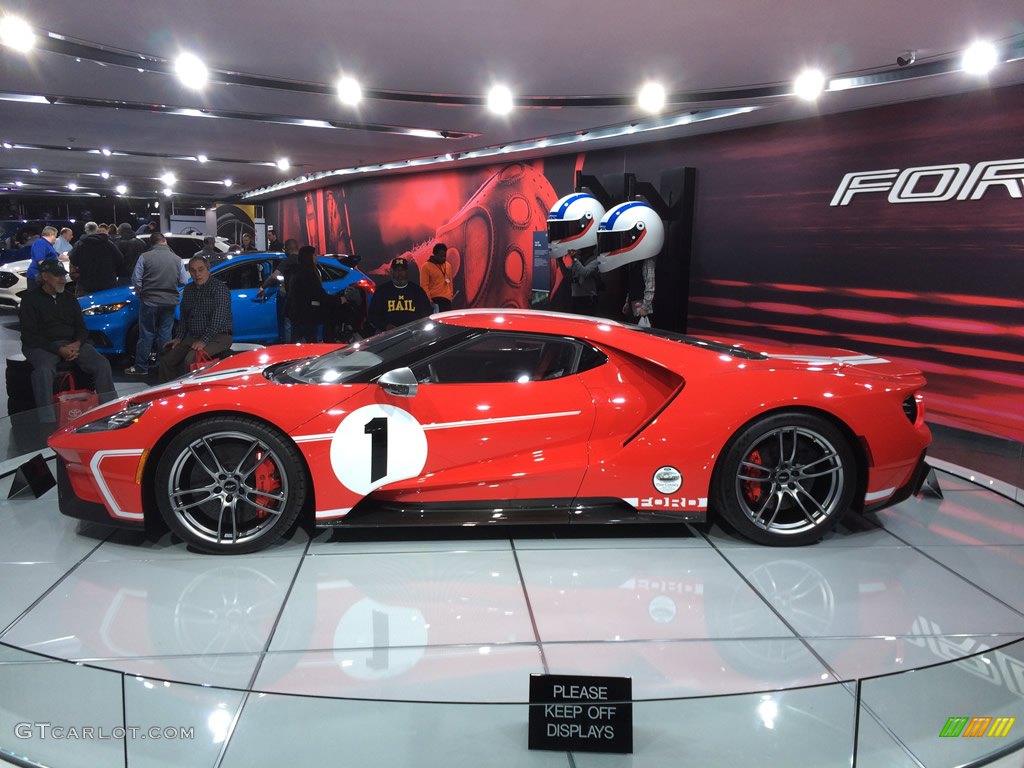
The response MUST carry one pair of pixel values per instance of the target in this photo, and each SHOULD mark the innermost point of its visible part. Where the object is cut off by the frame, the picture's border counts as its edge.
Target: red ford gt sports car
(503, 416)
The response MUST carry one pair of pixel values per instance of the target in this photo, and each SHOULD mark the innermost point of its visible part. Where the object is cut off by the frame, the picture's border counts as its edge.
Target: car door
(253, 318)
(505, 416)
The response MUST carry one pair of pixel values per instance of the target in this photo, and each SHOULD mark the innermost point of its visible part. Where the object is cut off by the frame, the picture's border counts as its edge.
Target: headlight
(105, 309)
(120, 420)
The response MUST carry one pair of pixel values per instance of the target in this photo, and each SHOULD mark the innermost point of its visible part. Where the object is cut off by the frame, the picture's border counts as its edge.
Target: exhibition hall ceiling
(101, 77)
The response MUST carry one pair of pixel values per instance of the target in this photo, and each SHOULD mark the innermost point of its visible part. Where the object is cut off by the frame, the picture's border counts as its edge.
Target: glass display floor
(415, 646)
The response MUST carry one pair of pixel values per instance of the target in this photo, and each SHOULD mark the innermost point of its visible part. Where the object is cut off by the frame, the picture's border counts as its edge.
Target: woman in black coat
(308, 302)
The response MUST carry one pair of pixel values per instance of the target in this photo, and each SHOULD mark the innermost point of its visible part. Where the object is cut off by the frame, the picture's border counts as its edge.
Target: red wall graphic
(486, 217)
(935, 284)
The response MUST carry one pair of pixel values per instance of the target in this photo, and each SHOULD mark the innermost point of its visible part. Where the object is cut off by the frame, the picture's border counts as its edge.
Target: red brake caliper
(266, 480)
(752, 488)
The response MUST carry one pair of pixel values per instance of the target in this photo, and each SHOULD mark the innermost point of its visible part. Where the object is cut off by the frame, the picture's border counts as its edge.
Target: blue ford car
(112, 316)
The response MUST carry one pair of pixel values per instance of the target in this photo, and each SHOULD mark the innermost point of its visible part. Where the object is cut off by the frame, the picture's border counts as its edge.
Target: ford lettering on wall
(935, 183)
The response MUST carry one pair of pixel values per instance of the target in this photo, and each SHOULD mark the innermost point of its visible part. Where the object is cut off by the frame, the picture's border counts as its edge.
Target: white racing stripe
(825, 360)
(453, 424)
(499, 420)
(221, 375)
(323, 514)
(314, 438)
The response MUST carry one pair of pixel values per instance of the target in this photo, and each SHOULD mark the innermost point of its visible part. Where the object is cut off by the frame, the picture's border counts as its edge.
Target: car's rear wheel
(230, 485)
(786, 480)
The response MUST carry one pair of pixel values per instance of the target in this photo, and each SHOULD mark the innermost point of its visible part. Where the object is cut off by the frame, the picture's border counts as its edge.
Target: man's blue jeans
(155, 321)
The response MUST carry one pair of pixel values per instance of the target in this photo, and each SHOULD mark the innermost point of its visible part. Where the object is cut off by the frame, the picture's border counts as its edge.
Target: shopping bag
(72, 402)
(644, 322)
(202, 359)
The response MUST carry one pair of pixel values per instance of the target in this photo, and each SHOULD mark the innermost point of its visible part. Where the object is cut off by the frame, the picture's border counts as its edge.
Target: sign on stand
(581, 714)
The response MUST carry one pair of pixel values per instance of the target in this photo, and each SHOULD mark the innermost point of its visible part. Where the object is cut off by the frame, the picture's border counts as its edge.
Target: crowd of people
(53, 329)
(103, 257)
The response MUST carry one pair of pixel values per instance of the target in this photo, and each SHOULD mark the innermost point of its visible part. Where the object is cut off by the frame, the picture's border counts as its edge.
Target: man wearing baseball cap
(398, 302)
(52, 330)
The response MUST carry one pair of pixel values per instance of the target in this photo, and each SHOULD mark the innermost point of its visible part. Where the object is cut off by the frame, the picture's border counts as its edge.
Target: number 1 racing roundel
(376, 445)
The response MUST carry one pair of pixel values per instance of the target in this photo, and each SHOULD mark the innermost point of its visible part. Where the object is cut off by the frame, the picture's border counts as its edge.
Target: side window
(241, 276)
(502, 358)
(330, 272)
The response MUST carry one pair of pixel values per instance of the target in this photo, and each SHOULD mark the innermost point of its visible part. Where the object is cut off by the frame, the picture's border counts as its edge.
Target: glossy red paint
(601, 433)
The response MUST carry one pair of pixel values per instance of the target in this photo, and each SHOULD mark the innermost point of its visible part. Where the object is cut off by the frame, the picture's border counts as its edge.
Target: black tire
(785, 480)
(208, 473)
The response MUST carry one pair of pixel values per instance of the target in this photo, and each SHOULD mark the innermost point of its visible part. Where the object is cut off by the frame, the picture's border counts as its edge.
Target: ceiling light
(18, 183)
(979, 58)
(283, 164)
(202, 158)
(8, 145)
(499, 100)
(228, 182)
(106, 152)
(105, 174)
(168, 191)
(652, 97)
(72, 186)
(191, 71)
(809, 84)
(121, 189)
(349, 91)
(34, 169)
(169, 179)
(16, 33)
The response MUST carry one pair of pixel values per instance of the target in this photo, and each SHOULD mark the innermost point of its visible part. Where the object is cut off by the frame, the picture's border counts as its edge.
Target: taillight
(367, 285)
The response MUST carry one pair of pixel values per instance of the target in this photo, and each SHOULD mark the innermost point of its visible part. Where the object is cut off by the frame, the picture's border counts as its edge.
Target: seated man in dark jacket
(52, 330)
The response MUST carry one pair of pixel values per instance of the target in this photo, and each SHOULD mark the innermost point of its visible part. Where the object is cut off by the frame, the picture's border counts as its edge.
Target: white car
(13, 282)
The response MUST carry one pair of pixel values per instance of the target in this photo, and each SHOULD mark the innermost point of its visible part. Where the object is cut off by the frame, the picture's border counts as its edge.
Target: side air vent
(910, 408)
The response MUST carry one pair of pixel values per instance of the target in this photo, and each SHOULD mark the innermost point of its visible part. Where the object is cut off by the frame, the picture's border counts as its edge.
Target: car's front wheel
(786, 480)
(230, 485)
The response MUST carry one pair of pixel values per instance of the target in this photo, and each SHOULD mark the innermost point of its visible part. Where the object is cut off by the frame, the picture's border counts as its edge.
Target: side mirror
(400, 382)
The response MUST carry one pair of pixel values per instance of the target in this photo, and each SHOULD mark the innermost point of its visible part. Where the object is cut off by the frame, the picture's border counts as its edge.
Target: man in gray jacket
(158, 274)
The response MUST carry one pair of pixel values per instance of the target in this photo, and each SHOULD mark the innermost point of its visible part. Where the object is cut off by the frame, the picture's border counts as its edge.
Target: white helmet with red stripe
(629, 232)
(572, 223)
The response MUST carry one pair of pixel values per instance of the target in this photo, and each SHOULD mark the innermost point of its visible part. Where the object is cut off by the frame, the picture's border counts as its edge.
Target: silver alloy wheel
(213, 493)
(790, 481)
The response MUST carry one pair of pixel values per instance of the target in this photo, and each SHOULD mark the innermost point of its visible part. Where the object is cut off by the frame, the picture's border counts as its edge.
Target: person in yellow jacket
(436, 279)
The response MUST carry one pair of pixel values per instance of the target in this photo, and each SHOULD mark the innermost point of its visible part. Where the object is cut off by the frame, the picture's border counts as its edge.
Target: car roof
(659, 346)
(539, 321)
(237, 258)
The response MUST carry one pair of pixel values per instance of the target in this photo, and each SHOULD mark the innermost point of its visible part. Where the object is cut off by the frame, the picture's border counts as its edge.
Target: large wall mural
(896, 231)
(486, 217)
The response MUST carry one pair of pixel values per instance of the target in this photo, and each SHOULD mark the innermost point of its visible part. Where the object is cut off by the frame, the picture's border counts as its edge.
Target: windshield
(365, 360)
